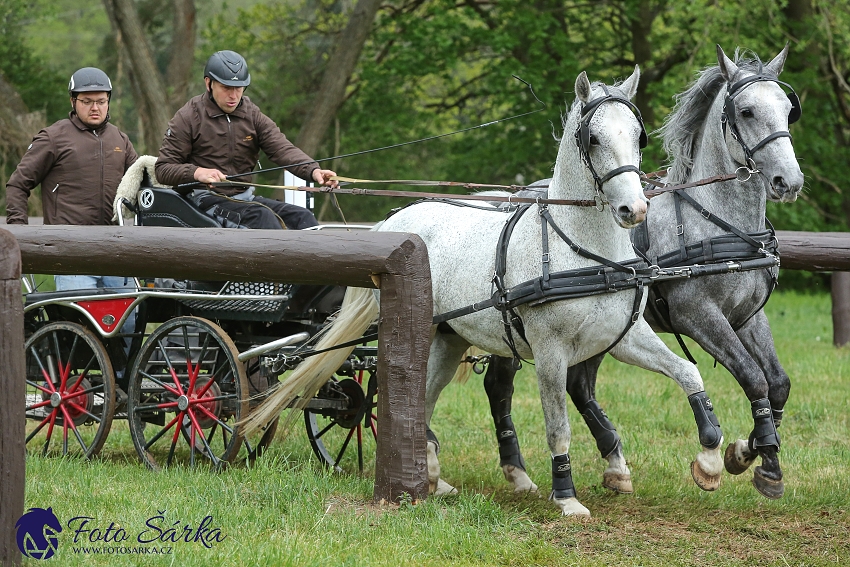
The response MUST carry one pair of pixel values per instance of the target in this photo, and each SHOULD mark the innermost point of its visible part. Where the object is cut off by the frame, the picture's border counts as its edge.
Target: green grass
(286, 510)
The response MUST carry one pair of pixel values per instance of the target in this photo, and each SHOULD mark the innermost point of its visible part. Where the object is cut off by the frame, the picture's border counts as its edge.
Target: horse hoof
(571, 507)
(444, 488)
(734, 458)
(704, 480)
(519, 479)
(618, 482)
(768, 487)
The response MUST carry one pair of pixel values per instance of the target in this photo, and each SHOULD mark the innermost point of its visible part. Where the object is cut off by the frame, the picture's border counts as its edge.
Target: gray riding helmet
(228, 68)
(89, 79)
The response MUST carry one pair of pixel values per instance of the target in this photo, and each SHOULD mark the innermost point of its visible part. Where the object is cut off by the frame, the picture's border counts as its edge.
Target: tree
(155, 103)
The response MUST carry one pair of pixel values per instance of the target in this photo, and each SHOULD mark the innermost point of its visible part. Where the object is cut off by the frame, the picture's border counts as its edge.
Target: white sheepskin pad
(130, 183)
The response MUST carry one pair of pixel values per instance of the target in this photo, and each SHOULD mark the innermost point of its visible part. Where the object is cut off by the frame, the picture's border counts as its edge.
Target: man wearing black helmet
(221, 133)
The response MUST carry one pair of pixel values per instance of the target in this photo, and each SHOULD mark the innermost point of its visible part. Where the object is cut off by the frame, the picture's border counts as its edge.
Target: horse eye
(747, 113)
(594, 141)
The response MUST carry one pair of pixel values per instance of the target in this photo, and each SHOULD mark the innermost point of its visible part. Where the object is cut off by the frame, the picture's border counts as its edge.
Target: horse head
(756, 113)
(609, 134)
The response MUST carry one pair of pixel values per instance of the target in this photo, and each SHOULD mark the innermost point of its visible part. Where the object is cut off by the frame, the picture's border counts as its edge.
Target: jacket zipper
(102, 196)
(229, 142)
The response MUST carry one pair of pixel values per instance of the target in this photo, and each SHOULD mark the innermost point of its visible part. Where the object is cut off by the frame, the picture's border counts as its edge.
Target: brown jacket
(202, 135)
(79, 170)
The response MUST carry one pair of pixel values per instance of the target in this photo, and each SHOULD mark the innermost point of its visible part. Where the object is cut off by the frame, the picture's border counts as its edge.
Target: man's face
(227, 98)
(91, 108)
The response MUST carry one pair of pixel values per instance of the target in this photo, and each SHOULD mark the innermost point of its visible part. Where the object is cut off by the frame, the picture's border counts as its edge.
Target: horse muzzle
(629, 216)
(785, 189)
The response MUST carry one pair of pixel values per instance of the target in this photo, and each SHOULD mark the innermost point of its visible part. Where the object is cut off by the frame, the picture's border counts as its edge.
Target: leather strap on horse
(570, 284)
(760, 250)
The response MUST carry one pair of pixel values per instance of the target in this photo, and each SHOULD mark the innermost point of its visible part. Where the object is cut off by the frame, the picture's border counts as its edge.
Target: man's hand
(205, 175)
(323, 177)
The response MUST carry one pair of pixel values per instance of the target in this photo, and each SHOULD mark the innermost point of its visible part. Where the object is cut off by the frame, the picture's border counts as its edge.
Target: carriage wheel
(70, 391)
(187, 392)
(336, 433)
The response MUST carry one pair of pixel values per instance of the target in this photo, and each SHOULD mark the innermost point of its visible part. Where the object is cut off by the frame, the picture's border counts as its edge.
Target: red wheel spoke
(47, 378)
(174, 438)
(81, 409)
(38, 405)
(82, 375)
(70, 394)
(53, 415)
(151, 407)
(171, 370)
(161, 432)
(161, 384)
(197, 428)
(70, 422)
(39, 427)
(211, 415)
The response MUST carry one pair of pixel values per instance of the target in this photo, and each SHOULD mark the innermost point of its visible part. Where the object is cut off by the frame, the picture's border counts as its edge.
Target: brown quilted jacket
(202, 135)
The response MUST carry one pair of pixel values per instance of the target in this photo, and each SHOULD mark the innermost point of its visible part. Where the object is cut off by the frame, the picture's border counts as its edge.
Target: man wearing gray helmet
(79, 162)
(221, 133)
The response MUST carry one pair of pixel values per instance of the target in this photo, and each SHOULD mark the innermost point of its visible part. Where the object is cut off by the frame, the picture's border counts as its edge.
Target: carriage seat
(158, 206)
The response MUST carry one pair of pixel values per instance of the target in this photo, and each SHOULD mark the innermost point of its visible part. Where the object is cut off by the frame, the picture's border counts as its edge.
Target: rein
(741, 174)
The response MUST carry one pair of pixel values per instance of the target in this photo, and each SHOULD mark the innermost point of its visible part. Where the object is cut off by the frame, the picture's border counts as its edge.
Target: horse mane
(683, 127)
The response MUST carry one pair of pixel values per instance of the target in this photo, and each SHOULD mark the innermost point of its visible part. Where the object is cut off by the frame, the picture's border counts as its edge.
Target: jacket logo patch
(248, 138)
(117, 149)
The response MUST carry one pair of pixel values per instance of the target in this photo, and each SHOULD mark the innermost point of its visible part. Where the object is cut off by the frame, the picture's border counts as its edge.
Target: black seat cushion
(159, 206)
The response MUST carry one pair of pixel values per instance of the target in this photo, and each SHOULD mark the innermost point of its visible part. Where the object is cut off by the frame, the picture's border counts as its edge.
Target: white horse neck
(594, 230)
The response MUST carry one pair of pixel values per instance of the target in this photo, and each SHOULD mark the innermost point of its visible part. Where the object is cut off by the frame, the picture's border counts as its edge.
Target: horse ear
(727, 68)
(778, 62)
(630, 85)
(583, 87)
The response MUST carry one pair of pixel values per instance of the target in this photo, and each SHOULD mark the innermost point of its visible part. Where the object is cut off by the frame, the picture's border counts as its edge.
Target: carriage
(201, 355)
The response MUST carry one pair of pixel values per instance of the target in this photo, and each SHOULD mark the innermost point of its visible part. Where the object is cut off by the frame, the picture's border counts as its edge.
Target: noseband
(582, 136)
(729, 115)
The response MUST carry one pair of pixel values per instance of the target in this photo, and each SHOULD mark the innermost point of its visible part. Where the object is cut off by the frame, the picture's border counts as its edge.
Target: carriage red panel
(107, 312)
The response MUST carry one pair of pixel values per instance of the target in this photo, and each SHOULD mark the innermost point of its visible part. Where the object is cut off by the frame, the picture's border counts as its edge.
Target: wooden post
(12, 391)
(840, 308)
(396, 262)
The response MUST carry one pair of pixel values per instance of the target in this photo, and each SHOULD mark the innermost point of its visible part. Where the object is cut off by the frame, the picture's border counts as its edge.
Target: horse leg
(581, 386)
(756, 337)
(715, 335)
(446, 351)
(551, 379)
(499, 385)
(642, 347)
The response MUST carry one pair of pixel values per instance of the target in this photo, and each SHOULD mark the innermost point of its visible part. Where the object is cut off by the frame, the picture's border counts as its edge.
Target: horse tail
(359, 310)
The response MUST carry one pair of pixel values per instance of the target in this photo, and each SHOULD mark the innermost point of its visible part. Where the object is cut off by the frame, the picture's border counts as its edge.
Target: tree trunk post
(12, 430)
(840, 308)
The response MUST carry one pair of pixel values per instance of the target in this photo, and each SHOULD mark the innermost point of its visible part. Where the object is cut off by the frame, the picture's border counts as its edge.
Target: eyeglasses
(87, 102)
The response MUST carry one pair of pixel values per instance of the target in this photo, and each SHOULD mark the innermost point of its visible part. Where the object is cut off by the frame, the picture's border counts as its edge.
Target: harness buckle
(634, 274)
(741, 171)
(546, 259)
(635, 317)
(706, 214)
(600, 202)
(680, 229)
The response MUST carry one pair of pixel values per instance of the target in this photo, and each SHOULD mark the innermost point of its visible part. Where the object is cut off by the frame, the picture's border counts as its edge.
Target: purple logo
(37, 533)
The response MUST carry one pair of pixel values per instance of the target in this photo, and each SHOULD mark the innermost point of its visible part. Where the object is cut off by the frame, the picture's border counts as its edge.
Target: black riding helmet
(88, 80)
(228, 68)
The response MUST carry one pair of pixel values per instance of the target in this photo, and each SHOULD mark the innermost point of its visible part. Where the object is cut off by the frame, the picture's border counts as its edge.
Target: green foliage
(40, 85)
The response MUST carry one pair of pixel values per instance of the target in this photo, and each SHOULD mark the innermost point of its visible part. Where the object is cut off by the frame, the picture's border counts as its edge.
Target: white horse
(462, 244)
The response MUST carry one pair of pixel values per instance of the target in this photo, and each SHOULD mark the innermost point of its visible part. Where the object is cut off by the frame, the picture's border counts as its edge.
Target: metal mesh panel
(245, 305)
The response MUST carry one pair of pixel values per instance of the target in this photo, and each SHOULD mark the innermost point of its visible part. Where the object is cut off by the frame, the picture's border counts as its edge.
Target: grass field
(286, 510)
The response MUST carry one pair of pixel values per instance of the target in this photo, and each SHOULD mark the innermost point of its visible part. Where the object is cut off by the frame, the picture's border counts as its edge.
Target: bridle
(582, 136)
(729, 115)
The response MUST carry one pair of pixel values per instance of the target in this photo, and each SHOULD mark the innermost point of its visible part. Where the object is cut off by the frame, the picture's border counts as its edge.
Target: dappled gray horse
(464, 245)
(734, 115)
